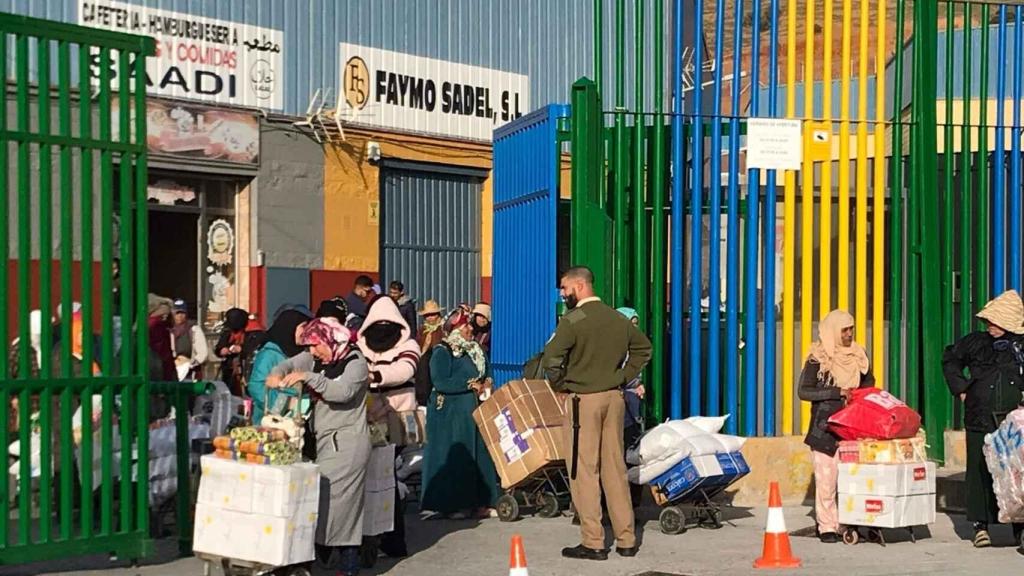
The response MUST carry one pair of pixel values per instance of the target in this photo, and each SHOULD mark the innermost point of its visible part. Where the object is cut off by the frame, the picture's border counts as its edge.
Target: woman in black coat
(994, 359)
(836, 365)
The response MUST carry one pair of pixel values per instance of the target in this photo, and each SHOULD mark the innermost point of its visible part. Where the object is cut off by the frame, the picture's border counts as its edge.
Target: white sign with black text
(774, 143)
(412, 93)
(197, 58)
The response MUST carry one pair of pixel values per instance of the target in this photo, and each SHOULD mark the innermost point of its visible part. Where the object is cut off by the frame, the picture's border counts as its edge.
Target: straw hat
(483, 310)
(1006, 312)
(431, 307)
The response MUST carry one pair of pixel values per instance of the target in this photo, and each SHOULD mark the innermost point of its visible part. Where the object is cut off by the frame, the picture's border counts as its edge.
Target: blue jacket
(268, 356)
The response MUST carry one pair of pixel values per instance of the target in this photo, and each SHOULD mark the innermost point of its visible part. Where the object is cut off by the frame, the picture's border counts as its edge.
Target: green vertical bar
(67, 262)
(586, 162)
(598, 45)
(641, 253)
(924, 151)
(5, 312)
(620, 270)
(141, 283)
(948, 234)
(981, 278)
(106, 288)
(86, 216)
(45, 292)
(182, 504)
(896, 244)
(966, 175)
(24, 282)
(656, 194)
(125, 199)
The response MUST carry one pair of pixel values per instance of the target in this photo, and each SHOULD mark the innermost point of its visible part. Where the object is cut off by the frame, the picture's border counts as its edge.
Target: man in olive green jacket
(593, 354)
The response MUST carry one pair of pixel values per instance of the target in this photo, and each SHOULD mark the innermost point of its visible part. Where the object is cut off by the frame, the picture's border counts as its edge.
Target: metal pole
(732, 253)
(789, 237)
(656, 194)
(771, 202)
(984, 235)
(878, 197)
(714, 402)
(621, 255)
(641, 248)
(696, 212)
(999, 161)
(1015, 178)
(896, 242)
(678, 278)
(966, 174)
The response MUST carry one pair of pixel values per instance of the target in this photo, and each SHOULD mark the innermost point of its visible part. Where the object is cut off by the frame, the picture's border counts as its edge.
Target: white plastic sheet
(1004, 454)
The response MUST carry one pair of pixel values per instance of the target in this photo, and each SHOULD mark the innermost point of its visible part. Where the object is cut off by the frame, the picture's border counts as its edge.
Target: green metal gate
(74, 117)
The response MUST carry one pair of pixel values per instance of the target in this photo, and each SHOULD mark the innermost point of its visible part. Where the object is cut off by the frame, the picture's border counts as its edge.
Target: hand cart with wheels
(876, 497)
(853, 535)
(235, 567)
(687, 491)
(546, 492)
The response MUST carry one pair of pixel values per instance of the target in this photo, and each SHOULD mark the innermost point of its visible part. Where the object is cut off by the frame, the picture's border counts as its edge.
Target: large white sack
(645, 473)
(731, 443)
(707, 444)
(709, 424)
(666, 438)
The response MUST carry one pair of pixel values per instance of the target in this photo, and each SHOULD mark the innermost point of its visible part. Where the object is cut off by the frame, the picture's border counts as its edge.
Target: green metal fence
(85, 405)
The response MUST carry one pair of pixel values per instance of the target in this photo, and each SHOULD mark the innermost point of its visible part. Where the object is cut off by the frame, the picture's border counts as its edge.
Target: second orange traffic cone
(776, 552)
(517, 558)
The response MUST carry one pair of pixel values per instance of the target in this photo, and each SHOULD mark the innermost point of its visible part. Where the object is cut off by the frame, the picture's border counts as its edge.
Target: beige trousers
(600, 465)
(826, 479)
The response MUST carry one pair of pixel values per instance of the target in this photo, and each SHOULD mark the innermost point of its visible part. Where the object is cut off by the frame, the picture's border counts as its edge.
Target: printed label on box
(513, 443)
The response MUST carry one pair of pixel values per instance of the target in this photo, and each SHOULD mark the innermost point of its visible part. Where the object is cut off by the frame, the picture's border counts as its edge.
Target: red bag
(874, 414)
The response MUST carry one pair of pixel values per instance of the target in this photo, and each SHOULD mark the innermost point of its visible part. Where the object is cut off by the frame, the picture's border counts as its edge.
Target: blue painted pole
(999, 177)
(1015, 279)
(714, 399)
(696, 211)
(768, 285)
(732, 252)
(751, 242)
(677, 278)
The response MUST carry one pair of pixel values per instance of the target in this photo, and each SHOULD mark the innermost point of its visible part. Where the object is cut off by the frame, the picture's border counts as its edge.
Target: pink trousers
(826, 478)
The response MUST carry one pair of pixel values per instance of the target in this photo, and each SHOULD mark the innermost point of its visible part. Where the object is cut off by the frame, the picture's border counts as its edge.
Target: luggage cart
(235, 567)
(697, 508)
(546, 492)
(686, 492)
(852, 535)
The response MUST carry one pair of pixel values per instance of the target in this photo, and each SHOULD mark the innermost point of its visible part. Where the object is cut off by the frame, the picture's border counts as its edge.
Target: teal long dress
(458, 473)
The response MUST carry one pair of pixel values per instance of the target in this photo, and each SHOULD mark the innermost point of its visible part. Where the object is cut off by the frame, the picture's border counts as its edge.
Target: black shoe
(576, 520)
(627, 552)
(581, 552)
(829, 538)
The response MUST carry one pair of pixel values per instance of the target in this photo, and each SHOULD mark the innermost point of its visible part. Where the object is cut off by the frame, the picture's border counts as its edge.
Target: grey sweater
(343, 405)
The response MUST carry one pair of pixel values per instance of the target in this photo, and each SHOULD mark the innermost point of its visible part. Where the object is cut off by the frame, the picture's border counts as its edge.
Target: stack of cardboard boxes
(886, 484)
(257, 513)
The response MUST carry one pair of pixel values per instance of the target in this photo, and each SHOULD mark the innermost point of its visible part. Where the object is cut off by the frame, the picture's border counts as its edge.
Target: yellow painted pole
(807, 205)
(844, 162)
(789, 235)
(861, 311)
(878, 242)
(825, 280)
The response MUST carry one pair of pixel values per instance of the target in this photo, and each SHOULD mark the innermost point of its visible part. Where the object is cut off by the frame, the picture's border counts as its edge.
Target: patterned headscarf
(460, 346)
(328, 331)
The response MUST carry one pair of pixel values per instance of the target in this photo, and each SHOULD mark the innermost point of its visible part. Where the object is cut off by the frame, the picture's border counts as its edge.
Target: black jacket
(994, 385)
(825, 401)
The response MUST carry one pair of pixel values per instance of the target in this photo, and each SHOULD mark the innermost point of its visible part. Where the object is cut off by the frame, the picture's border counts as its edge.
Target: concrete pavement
(478, 548)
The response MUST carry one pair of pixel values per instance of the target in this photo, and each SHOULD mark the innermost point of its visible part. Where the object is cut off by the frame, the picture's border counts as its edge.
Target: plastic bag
(875, 414)
(1004, 455)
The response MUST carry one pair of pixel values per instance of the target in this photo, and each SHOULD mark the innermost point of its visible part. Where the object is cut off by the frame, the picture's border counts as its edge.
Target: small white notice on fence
(774, 143)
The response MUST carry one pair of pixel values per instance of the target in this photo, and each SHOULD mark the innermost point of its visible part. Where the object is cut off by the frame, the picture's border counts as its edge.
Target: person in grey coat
(336, 376)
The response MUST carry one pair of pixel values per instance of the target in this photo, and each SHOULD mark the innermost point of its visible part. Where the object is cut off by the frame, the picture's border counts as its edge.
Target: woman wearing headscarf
(459, 479)
(994, 359)
(335, 374)
(431, 330)
(481, 322)
(835, 366)
(280, 344)
(159, 324)
(391, 355)
(229, 349)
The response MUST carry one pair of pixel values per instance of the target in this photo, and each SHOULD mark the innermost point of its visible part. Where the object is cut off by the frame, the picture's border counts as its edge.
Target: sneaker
(581, 552)
(829, 538)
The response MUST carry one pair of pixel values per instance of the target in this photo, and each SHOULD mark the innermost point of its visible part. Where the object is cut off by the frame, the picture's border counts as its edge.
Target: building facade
(297, 144)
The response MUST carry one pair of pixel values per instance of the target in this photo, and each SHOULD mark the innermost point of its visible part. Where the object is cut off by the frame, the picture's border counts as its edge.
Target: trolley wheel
(672, 520)
(711, 519)
(508, 508)
(548, 505)
(851, 536)
(298, 571)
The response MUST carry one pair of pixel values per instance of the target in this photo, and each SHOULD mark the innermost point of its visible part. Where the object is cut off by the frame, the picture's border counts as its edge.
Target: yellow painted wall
(352, 192)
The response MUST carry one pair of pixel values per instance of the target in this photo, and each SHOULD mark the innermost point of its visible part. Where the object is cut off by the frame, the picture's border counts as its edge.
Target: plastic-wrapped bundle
(1004, 454)
(257, 434)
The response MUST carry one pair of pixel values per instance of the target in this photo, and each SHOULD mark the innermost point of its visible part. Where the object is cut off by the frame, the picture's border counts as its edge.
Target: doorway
(173, 255)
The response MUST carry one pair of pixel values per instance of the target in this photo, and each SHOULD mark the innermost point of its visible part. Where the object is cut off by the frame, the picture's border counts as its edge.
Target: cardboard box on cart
(521, 424)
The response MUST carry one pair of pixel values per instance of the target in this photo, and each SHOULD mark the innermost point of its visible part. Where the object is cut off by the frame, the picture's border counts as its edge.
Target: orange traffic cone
(517, 558)
(776, 552)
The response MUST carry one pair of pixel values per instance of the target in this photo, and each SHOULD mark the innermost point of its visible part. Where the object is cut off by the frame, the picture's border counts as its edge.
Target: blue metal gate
(526, 171)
